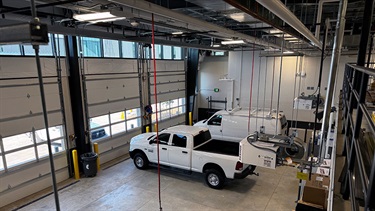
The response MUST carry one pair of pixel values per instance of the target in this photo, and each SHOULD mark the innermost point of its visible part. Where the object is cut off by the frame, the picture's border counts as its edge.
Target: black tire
(140, 161)
(214, 179)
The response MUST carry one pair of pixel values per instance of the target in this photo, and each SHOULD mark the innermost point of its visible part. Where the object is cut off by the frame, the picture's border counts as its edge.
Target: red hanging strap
(156, 108)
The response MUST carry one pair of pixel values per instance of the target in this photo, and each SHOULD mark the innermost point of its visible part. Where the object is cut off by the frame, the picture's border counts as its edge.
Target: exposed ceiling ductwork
(279, 9)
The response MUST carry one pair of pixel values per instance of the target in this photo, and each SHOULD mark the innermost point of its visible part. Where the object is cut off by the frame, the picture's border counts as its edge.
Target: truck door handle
(184, 152)
(164, 148)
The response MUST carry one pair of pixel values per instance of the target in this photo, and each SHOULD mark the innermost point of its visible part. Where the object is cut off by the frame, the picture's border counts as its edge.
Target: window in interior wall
(91, 47)
(10, 50)
(111, 48)
(177, 53)
(128, 49)
(157, 52)
(167, 52)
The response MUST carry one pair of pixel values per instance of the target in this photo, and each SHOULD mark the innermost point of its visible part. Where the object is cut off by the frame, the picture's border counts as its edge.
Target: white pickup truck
(191, 148)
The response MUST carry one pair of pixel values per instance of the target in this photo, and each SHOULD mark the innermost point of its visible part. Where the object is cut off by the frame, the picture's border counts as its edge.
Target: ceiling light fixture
(230, 42)
(177, 33)
(216, 45)
(288, 52)
(99, 17)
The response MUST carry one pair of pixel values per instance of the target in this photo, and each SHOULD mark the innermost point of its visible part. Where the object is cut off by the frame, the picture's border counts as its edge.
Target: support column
(75, 86)
(191, 80)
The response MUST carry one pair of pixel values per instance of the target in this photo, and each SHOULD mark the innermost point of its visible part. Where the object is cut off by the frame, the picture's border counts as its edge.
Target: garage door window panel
(20, 157)
(117, 117)
(99, 127)
(111, 48)
(128, 49)
(57, 146)
(10, 50)
(18, 141)
(177, 53)
(91, 47)
(118, 128)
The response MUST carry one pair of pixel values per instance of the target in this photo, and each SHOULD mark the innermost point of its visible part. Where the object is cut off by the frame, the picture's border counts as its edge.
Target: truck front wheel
(140, 161)
(215, 179)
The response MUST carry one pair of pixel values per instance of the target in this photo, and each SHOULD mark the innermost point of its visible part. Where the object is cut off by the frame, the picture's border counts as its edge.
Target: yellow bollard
(190, 118)
(75, 164)
(156, 127)
(147, 129)
(96, 150)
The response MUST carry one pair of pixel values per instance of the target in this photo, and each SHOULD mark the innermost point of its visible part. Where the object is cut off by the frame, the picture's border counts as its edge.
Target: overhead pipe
(280, 10)
(339, 35)
(319, 16)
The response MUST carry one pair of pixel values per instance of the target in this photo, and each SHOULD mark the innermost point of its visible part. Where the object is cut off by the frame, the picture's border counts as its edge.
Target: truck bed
(220, 147)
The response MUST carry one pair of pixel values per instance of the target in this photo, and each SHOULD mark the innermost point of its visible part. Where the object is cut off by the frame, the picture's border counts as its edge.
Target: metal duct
(164, 12)
(280, 10)
(319, 16)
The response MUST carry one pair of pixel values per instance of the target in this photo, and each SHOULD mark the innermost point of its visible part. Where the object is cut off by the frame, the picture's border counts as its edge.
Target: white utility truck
(234, 125)
(191, 148)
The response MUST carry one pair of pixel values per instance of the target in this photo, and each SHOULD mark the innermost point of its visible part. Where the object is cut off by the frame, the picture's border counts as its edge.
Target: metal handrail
(353, 150)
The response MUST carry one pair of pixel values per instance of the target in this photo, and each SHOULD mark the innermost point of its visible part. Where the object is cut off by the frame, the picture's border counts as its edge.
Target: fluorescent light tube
(97, 17)
(177, 33)
(229, 42)
(216, 45)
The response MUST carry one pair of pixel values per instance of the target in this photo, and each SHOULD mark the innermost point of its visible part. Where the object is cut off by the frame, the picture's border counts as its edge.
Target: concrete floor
(123, 187)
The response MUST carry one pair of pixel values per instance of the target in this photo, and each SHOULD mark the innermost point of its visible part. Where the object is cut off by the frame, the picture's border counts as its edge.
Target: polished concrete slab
(123, 187)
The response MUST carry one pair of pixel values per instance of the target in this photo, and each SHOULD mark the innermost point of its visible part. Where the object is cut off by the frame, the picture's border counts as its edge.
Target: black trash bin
(89, 164)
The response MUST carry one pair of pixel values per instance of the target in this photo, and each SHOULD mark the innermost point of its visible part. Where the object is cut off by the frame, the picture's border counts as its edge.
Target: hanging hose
(294, 89)
(156, 107)
(273, 81)
(251, 88)
(256, 119)
(299, 88)
(44, 109)
(265, 91)
(278, 92)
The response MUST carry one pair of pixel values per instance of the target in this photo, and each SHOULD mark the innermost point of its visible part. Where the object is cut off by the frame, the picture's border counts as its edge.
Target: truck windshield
(202, 137)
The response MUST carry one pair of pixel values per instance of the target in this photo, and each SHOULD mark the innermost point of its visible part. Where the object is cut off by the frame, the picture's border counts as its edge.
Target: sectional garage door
(113, 104)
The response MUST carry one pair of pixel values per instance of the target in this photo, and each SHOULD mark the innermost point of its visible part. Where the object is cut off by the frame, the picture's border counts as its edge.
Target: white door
(163, 149)
(215, 126)
(179, 155)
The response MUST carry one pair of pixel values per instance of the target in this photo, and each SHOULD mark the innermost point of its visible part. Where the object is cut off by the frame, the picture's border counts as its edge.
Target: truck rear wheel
(215, 179)
(140, 161)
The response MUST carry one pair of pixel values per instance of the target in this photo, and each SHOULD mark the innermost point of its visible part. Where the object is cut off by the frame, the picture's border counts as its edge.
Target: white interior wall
(212, 68)
(239, 69)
